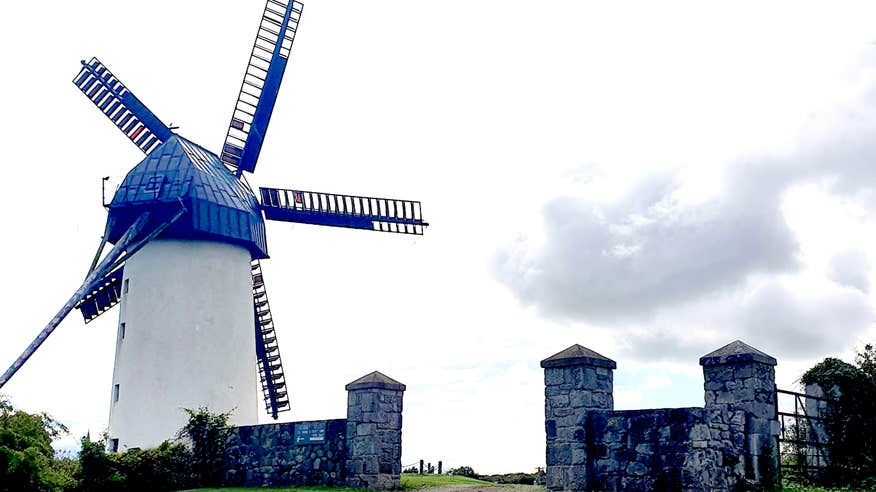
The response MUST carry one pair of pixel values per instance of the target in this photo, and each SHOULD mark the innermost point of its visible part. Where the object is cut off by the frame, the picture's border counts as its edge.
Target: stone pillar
(817, 456)
(374, 418)
(740, 390)
(576, 380)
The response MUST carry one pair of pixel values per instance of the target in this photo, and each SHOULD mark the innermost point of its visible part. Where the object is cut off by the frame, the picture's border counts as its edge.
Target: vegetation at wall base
(812, 488)
(208, 434)
(28, 461)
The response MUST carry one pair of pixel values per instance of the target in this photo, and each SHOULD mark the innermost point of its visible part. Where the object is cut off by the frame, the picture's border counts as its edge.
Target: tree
(851, 419)
(208, 433)
(26, 454)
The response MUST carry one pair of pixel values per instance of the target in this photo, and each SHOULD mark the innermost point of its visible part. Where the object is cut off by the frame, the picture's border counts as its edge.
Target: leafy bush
(208, 434)
(28, 462)
(464, 471)
(512, 478)
(170, 466)
(97, 471)
(26, 454)
(851, 419)
(167, 467)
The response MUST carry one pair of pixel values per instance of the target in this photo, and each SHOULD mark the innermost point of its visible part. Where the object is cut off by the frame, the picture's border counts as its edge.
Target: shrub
(208, 434)
(97, 472)
(170, 466)
(465, 471)
(167, 467)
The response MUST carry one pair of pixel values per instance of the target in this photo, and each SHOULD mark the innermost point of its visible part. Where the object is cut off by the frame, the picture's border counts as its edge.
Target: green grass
(408, 481)
(809, 488)
(274, 489)
(416, 481)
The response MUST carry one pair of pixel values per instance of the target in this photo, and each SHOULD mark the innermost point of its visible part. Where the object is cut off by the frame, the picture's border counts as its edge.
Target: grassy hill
(416, 481)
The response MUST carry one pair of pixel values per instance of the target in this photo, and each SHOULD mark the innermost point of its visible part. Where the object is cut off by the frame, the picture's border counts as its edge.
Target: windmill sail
(133, 118)
(107, 292)
(258, 93)
(95, 276)
(267, 350)
(355, 212)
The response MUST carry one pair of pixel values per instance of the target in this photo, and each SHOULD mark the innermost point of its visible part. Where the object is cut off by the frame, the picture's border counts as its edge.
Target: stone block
(558, 401)
(637, 468)
(700, 433)
(580, 399)
(550, 391)
(553, 376)
(616, 424)
(355, 413)
(559, 454)
(588, 377)
(555, 478)
(562, 412)
(743, 371)
(738, 417)
(550, 428)
(576, 478)
(365, 429)
(742, 395)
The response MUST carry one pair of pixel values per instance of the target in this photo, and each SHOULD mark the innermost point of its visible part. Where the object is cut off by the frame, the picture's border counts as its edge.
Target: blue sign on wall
(309, 433)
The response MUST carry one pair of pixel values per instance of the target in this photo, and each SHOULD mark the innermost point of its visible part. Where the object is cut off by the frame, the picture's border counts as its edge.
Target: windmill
(188, 233)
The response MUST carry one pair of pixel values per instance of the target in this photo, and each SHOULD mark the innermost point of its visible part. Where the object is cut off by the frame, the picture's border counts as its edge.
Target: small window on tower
(114, 445)
(121, 331)
(115, 393)
(125, 286)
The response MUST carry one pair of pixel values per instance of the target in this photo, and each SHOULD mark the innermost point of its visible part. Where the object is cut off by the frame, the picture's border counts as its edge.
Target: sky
(650, 180)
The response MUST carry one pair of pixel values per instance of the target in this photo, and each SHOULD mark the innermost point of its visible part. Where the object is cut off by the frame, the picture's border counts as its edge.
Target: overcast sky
(650, 180)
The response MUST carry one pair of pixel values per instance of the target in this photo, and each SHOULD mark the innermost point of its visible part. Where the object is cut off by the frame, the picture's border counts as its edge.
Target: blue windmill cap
(220, 206)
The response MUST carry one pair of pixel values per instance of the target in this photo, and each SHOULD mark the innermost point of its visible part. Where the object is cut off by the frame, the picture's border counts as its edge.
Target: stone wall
(363, 450)
(266, 455)
(659, 449)
(726, 445)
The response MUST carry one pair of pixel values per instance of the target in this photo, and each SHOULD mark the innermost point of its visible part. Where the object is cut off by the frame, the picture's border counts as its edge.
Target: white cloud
(670, 270)
(852, 269)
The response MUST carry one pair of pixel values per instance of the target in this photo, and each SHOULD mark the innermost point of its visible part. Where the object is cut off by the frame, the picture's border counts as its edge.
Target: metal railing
(802, 439)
